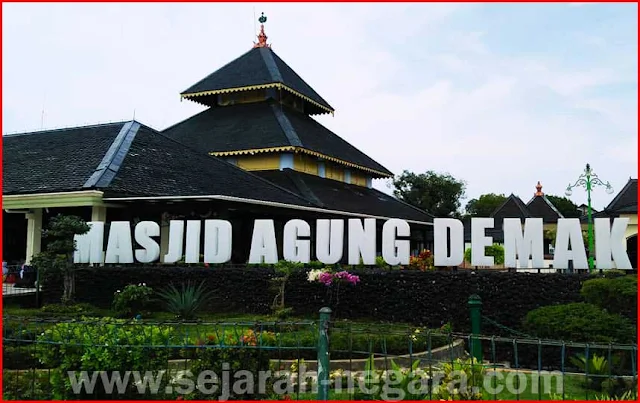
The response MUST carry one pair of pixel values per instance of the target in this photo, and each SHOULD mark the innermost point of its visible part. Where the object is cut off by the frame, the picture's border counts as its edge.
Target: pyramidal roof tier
(258, 69)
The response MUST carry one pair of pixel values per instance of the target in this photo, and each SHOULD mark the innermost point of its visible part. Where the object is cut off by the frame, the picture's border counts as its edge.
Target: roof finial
(538, 190)
(262, 37)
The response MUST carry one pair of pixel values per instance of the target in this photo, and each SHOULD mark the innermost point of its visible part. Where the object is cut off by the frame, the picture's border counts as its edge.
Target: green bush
(474, 374)
(74, 310)
(239, 353)
(616, 295)
(25, 385)
(495, 250)
(94, 345)
(580, 322)
(132, 300)
(315, 264)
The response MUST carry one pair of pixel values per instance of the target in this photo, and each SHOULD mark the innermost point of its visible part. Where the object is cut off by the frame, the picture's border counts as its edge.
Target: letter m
(89, 245)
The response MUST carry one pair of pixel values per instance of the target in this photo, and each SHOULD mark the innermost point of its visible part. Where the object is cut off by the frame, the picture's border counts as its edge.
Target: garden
(391, 333)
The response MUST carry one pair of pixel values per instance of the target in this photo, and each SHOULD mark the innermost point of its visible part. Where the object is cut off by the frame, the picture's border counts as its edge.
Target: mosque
(255, 152)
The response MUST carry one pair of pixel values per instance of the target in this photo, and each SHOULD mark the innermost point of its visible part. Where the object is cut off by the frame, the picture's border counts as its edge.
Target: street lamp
(588, 179)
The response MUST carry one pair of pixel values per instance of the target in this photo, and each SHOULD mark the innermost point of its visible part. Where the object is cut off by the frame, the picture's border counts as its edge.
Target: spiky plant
(186, 301)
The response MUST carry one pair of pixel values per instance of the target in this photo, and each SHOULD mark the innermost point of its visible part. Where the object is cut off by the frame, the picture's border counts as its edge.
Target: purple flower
(325, 278)
(353, 279)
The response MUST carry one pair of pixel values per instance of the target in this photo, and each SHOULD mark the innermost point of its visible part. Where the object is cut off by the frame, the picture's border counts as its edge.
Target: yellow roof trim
(257, 87)
(59, 199)
(252, 151)
(298, 150)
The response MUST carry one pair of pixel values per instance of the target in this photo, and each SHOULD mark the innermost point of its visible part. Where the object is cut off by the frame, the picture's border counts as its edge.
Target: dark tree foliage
(484, 205)
(438, 194)
(566, 207)
(60, 249)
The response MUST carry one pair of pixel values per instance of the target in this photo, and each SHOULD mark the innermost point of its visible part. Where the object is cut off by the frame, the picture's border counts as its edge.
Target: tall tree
(565, 206)
(439, 194)
(484, 205)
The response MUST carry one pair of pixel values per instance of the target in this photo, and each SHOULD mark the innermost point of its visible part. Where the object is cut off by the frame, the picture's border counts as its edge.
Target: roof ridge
(221, 160)
(285, 124)
(553, 206)
(111, 162)
(288, 109)
(521, 206)
(403, 202)
(620, 193)
(302, 186)
(59, 129)
(270, 63)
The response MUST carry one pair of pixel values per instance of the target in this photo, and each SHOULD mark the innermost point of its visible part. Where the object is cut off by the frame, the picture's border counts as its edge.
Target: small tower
(538, 190)
(262, 37)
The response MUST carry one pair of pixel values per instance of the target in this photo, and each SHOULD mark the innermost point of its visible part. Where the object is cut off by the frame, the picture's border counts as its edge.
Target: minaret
(262, 37)
(538, 190)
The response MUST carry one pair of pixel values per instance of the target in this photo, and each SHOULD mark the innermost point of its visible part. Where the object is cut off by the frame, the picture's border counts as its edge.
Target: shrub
(315, 264)
(471, 371)
(495, 250)
(61, 246)
(187, 301)
(423, 262)
(74, 310)
(616, 295)
(237, 350)
(284, 269)
(134, 299)
(94, 345)
(381, 263)
(580, 322)
(25, 385)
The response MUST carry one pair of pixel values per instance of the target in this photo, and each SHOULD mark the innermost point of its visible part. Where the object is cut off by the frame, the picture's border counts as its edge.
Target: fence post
(323, 354)
(475, 307)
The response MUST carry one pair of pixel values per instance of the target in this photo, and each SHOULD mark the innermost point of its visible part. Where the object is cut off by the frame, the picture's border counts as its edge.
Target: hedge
(422, 298)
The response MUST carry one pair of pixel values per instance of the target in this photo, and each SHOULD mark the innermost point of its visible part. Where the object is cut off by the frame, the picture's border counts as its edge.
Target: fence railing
(320, 359)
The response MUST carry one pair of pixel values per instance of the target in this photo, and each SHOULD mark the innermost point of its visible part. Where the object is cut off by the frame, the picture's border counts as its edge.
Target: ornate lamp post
(588, 179)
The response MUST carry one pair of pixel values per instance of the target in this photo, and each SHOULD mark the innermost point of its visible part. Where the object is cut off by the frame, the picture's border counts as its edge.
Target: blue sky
(500, 95)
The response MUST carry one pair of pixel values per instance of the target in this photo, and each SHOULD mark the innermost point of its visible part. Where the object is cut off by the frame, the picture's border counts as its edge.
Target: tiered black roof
(124, 159)
(265, 125)
(334, 195)
(259, 67)
(128, 159)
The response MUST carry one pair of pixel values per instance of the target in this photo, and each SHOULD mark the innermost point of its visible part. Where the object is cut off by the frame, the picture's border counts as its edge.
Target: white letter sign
(524, 245)
(441, 256)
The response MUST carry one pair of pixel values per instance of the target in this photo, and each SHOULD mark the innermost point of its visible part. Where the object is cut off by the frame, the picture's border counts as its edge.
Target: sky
(498, 95)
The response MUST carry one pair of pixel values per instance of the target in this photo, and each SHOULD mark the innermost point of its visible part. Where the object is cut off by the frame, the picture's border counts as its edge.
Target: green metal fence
(320, 359)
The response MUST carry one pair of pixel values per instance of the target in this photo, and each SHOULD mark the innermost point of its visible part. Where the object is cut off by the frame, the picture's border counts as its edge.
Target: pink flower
(325, 278)
(353, 279)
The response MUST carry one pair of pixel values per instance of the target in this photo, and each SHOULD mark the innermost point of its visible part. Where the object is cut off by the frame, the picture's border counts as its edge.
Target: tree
(484, 205)
(438, 194)
(60, 249)
(565, 206)
(550, 235)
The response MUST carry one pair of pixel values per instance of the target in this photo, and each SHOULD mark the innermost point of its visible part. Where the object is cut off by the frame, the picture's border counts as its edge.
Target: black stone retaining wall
(421, 298)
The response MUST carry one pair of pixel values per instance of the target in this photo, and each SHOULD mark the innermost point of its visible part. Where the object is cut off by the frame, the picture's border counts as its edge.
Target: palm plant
(186, 301)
